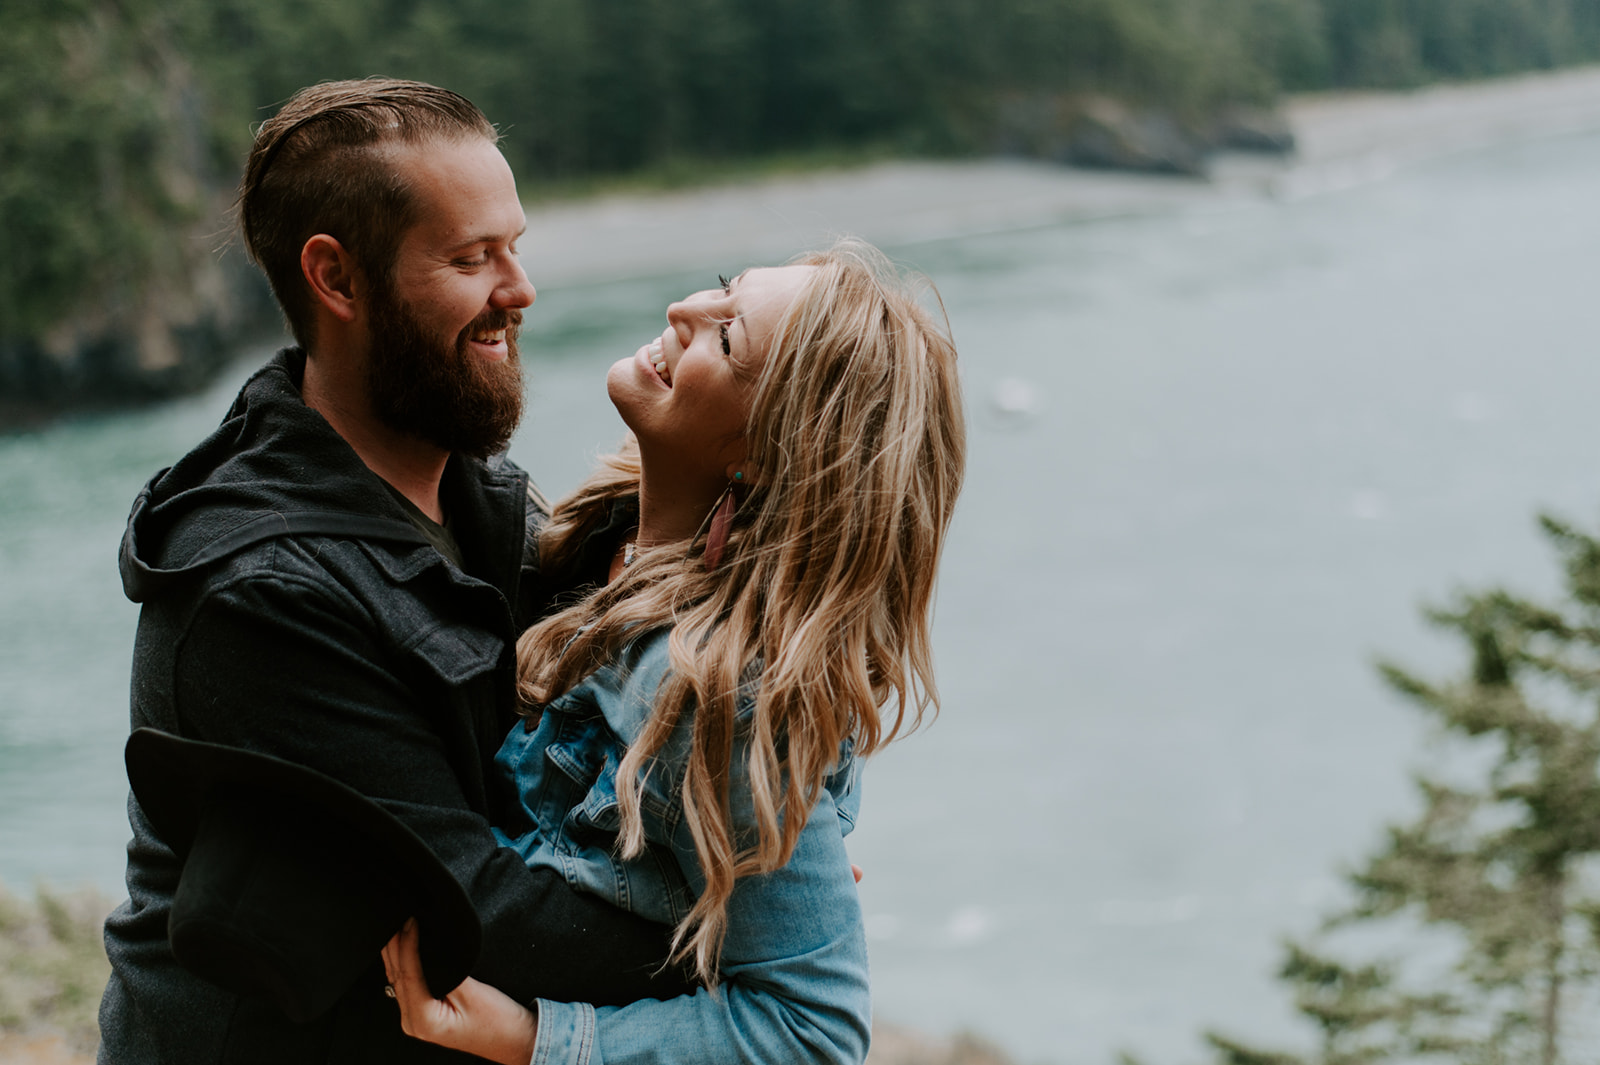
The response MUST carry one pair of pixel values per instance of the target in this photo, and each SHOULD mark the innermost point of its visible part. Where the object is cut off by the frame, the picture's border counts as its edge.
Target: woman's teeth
(658, 359)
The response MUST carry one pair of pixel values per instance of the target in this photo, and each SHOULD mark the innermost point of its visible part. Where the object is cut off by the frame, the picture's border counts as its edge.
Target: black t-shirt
(438, 535)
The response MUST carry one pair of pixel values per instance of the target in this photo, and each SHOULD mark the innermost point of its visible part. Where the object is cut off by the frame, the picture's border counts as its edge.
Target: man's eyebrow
(494, 238)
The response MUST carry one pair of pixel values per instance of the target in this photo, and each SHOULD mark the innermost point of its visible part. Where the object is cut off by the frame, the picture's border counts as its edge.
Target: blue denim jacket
(794, 963)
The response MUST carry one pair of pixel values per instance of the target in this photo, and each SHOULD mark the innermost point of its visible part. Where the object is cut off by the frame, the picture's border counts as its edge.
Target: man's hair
(324, 164)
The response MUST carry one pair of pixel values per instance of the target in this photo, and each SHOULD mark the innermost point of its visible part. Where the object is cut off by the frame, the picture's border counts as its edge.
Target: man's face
(443, 361)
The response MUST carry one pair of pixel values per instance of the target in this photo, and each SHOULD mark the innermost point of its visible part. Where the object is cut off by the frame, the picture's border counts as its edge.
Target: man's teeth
(490, 338)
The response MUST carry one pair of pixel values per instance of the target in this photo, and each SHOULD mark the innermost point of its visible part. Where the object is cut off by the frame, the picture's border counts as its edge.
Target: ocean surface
(1219, 459)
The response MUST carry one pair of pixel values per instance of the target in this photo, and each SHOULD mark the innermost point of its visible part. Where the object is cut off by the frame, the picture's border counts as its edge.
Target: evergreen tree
(1501, 864)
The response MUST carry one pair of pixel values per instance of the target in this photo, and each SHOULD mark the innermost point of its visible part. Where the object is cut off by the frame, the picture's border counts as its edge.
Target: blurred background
(1272, 330)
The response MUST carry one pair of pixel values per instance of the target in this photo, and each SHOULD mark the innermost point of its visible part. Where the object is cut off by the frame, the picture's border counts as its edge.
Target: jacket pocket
(598, 818)
(457, 656)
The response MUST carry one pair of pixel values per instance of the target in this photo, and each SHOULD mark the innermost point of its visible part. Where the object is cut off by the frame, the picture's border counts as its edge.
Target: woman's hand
(475, 1017)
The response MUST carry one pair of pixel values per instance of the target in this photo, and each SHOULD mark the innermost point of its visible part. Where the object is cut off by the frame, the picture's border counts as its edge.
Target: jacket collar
(275, 467)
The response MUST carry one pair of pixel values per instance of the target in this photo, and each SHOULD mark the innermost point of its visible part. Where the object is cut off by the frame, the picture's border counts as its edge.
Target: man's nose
(516, 290)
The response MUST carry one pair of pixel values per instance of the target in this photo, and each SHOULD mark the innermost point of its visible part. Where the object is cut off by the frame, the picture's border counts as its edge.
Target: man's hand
(475, 1017)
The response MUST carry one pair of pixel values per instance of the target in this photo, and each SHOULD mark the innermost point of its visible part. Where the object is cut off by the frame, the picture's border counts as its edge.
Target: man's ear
(337, 283)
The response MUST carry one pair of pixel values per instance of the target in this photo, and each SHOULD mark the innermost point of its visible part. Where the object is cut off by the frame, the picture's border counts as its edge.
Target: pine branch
(1231, 1052)
(1492, 860)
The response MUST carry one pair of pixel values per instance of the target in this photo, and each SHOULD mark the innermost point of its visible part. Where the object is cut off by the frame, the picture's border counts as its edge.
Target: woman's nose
(681, 317)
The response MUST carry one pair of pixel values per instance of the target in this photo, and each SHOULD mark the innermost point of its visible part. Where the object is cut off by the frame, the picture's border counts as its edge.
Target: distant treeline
(123, 122)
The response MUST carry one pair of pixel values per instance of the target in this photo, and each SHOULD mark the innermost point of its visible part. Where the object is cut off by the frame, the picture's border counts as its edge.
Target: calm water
(1218, 460)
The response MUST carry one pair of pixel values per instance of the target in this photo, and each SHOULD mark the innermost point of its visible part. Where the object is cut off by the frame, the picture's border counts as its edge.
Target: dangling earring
(721, 522)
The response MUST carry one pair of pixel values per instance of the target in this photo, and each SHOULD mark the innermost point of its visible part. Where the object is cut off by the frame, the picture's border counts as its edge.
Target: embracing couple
(604, 753)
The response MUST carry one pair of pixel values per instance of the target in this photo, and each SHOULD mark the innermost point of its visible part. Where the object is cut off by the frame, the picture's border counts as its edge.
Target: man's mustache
(509, 319)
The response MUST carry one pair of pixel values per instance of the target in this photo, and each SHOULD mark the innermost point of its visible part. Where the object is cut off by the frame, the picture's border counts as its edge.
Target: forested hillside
(125, 120)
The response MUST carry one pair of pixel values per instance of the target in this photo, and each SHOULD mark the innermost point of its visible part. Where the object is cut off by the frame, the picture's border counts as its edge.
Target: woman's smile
(652, 365)
(658, 361)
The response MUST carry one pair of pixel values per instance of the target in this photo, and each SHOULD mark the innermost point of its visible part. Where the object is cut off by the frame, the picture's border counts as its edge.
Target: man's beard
(437, 390)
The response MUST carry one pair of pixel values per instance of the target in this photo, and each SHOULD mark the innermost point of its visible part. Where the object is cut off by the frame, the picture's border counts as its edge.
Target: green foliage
(53, 965)
(127, 120)
(96, 163)
(1393, 43)
(1503, 862)
(1360, 1016)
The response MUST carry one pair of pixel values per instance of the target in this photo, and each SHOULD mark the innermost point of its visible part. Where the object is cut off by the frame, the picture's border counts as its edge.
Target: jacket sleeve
(794, 978)
(532, 594)
(280, 664)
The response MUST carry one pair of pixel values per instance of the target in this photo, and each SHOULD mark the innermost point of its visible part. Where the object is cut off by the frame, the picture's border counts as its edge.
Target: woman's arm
(794, 988)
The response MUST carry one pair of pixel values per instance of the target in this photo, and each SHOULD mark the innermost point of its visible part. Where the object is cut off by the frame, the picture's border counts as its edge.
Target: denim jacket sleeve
(794, 978)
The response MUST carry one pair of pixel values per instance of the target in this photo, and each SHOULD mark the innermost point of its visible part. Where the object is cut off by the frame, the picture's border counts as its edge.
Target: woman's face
(686, 394)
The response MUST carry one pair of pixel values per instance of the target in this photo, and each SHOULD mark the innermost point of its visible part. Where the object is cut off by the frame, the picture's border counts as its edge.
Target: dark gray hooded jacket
(289, 607)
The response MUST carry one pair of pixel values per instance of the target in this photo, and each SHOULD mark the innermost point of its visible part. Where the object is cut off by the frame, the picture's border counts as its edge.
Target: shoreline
(1343, 140)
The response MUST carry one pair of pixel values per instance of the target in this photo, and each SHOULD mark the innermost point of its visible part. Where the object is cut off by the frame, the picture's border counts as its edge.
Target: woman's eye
(722, 331)
(725, 283)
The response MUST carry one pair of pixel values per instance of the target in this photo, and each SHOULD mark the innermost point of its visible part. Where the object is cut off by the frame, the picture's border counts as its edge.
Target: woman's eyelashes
(722, 328)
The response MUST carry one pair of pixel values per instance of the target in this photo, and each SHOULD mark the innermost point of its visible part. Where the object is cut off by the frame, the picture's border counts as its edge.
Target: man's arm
(795, 987)
(289, 666)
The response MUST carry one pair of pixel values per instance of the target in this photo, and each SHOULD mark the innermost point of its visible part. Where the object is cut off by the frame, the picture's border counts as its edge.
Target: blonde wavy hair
(824, 593)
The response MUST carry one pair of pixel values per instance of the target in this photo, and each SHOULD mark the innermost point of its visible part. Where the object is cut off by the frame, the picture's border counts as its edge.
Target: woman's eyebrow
(737, 278)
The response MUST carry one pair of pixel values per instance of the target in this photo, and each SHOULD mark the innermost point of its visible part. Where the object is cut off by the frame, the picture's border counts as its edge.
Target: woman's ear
(336, 281)
(741, 473)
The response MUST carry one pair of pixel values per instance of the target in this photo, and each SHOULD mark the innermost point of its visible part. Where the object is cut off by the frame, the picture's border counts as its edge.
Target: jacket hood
(246, 483)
